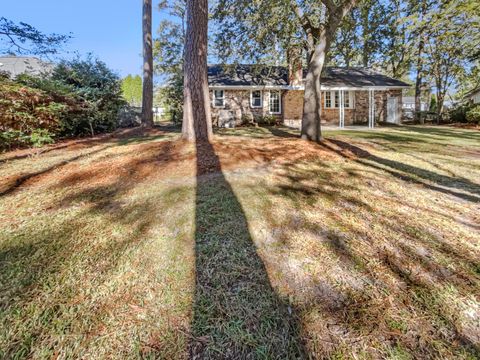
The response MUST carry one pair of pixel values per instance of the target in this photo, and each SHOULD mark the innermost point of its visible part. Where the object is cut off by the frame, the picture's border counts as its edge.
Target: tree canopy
(24, 39)
(132, 90)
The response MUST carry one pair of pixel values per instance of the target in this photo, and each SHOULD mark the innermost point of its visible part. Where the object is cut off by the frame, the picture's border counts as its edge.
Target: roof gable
(16, 65)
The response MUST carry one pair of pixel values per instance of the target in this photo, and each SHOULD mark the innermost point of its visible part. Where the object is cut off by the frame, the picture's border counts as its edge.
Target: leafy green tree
(418, 10)
(450, 45)
(23, 38)
(251, 29)
(346, 49)
(168, 53)
(397, 49)
(374, 19)
(98, 89)
(132, 90)
(169, 43)
(360, 38)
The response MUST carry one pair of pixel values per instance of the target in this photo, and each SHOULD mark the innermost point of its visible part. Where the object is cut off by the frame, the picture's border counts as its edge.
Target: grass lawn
(256, 246)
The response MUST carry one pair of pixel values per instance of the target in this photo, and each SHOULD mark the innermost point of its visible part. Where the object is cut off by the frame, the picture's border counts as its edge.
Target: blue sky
(112, 30)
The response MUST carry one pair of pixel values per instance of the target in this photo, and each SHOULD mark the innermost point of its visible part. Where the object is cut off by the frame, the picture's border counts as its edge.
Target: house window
(218, 98)
(347, 99)
(275, 107)
(256, 99)
(328, 99)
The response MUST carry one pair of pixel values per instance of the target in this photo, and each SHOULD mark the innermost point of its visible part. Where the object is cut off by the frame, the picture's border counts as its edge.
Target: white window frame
(329, 93)
(334, 96)
(214, 97)
(279, 102)
(261, 99)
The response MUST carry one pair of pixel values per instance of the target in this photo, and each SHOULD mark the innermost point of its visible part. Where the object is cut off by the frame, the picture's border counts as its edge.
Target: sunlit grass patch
(365, 246)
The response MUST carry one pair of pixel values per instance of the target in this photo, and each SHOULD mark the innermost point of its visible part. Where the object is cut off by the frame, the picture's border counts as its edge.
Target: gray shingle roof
(258, 75)
(247, 75)
(16, 65)
(358, 77)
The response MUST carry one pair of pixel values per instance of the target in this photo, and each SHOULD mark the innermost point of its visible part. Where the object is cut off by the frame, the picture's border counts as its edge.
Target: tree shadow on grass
(13, 183)
(468, 190)
(236, 312)
(442, 131)
(52, 260)
(367, 309)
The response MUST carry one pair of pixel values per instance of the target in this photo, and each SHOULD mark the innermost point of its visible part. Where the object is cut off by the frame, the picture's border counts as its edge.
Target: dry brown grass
(258, 246)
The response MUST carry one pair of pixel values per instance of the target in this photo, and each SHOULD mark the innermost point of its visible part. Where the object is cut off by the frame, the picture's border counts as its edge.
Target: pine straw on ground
(258, 245)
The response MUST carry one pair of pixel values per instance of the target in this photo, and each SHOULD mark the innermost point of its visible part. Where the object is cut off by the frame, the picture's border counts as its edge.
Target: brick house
(241, 93)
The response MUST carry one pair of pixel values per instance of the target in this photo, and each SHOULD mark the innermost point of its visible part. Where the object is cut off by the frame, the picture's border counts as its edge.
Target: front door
(392, 110)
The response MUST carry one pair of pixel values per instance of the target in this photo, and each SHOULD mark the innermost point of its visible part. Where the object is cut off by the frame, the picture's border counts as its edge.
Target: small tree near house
(256, 28)
(319, 38)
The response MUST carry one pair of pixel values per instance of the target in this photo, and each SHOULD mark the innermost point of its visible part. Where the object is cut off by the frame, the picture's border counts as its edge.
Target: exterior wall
(475, 98)
(293, 108)
(237, 110)
(293, 105)
(361, 106)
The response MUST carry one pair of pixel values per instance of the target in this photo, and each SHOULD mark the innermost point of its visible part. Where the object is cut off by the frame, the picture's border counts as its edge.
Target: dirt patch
(136, 162)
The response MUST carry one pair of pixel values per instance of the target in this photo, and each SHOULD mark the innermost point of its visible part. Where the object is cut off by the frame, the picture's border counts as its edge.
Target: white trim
(251, 99)
(330, 99)
(253, 87)
(279, 102)
(333, 97)
(288, 87)
(341, 109)
(222, 98)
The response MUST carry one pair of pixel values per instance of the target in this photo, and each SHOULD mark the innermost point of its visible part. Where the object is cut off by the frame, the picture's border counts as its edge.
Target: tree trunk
(418, 100)
(440, 101)
(418, 84)
(197, 122)
(147, 92)
(365, 35)
(311, 129)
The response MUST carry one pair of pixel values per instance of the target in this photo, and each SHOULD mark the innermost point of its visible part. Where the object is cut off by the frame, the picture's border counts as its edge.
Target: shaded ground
(258, 245)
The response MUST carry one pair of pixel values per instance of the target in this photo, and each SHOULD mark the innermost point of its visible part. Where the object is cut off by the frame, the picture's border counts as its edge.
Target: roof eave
(322, 87)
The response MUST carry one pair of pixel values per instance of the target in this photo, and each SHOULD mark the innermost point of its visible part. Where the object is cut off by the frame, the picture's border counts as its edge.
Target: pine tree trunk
(418, 83)
(197, 122)
(311, 129)
(418, 91)
(147, 93)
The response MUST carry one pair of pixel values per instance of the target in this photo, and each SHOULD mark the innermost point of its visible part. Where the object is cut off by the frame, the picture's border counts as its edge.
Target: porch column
(341, 109)
(371, 109)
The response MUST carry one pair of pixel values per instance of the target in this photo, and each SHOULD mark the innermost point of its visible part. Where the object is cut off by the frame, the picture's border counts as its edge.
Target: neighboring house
(473, 96)
(408, 107)
(240, 93)
(17, 65)
(409, 104)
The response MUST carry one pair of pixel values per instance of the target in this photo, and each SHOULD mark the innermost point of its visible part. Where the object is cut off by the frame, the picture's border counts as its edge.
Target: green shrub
(267, 120)
(473, 114)
(81, 97)
(11, 138)
(170, 97)
(99, 89)
(458, 114)
(27, 115)
(40, 137)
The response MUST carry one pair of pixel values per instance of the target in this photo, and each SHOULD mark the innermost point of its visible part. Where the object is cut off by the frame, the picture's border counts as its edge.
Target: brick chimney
(295, 71)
